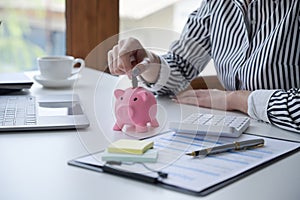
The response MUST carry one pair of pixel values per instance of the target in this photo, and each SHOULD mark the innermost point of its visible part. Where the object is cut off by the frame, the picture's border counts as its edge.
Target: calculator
(211, 124)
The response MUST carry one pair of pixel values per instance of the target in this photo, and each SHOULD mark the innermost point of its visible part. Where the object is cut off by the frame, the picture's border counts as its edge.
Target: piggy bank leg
(141, 128)
(117, 127)
(154, 123)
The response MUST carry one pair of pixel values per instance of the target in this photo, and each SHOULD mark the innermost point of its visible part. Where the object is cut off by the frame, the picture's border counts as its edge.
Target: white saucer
(56, 83)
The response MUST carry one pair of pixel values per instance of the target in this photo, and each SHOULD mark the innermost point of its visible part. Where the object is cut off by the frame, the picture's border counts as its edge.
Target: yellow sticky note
(130, 146)
(149, 156)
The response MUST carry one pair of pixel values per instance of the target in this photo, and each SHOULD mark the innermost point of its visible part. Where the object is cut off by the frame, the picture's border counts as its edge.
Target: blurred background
(32, 28)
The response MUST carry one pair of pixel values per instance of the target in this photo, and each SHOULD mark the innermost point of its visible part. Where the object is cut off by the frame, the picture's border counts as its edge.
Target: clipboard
(274, 149)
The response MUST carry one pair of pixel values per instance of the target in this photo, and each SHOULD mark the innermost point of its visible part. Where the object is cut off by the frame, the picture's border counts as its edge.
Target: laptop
(48, 112)
(14, 82)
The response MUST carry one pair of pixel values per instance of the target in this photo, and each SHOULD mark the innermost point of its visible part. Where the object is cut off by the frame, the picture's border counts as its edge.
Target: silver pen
(138, 69)
(242, 145)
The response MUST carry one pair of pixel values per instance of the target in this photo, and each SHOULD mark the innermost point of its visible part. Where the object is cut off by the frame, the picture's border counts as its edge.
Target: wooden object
(206, 82)
(90, 27)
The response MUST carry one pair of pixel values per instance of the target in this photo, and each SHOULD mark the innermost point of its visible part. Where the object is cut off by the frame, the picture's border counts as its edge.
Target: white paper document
(200, 173)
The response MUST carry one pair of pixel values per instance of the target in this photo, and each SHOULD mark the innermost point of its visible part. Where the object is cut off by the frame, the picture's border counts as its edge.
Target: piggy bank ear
(143, 95)
(118, 93)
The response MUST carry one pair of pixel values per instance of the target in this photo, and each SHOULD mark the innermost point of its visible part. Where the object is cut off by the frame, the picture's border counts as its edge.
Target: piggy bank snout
(122, 110)
(135, 107)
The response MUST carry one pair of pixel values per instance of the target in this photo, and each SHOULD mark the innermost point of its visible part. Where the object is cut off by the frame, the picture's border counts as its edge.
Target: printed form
(199, 173)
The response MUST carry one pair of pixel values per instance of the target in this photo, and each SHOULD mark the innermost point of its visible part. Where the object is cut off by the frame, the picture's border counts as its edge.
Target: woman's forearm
(238, 100)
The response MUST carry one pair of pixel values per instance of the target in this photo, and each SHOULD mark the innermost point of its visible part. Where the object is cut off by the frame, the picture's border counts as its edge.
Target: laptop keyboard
(17, 110)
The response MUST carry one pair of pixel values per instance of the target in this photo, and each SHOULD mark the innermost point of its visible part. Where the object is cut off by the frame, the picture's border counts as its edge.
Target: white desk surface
(34, 164)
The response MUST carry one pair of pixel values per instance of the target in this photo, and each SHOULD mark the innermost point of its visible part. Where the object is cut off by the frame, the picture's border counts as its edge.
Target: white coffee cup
(59, 67)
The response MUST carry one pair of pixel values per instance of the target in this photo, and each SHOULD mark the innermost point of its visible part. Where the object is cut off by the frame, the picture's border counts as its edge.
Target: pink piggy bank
(135, 107)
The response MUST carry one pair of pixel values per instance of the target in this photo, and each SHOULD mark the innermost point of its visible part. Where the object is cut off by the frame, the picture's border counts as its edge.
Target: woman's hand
(217, 99)
(129, 52)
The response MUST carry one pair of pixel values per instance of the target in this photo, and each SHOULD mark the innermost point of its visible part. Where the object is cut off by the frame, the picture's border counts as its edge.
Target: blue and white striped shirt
(255, 46)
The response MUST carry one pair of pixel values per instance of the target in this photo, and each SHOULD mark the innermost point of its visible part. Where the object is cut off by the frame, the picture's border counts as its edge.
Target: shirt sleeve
(284, 109)
(258, 104)
(278, 107)
(187, 56)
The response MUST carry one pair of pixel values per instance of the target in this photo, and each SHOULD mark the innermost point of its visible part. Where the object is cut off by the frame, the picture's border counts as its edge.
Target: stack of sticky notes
(126, 150)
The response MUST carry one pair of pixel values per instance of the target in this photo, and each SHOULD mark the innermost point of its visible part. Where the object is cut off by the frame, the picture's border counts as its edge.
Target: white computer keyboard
(210, 124)
(17, 110)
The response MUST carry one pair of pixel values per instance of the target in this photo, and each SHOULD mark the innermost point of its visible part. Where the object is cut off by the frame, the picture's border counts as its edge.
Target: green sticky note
(149, 156)
(128, 146)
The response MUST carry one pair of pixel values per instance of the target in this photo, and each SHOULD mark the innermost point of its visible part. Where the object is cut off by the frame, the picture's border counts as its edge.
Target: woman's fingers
(120, 57)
